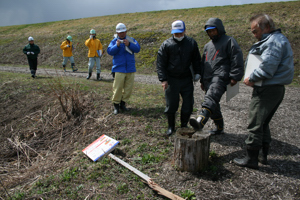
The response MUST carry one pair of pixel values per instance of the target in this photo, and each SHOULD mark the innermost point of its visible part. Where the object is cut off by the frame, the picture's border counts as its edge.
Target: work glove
(32, 53)
(68, 46)
(91, 37)
(197, 77)
(28, 52)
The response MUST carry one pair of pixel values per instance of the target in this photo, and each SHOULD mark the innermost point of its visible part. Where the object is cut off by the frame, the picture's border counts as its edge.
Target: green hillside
(150, 29)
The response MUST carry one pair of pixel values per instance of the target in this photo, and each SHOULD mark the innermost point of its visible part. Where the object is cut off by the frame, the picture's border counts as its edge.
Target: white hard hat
(120, 28)
(30, 38)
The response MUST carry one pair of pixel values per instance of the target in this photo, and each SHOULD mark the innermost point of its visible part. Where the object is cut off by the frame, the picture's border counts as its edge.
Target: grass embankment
(150, 29)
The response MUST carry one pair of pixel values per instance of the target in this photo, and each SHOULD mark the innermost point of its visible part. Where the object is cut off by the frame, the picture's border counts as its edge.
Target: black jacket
(222, 58)
(175, 58)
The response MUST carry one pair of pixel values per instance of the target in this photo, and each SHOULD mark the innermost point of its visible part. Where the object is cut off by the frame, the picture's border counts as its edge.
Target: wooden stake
(147, 179)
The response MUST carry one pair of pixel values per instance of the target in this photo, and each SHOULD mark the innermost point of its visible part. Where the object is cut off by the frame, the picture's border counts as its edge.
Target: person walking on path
(275, 71)
(122, 48)
(177, 60)
(32, 51)
(95, 52)
(223, 64)
(67, 47)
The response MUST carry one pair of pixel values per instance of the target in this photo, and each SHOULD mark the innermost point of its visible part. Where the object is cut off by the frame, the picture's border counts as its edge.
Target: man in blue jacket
(275, 71)
(122, 48)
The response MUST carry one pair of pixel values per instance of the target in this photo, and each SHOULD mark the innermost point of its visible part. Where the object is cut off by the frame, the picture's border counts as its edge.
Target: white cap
(120, 28)
(178, 27)
(30, 38)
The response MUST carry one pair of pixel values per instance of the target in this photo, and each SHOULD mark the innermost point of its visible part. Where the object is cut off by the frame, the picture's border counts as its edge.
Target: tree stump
(191, 150)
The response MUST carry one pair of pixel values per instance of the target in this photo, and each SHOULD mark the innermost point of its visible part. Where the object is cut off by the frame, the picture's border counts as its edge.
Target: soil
(280, 179)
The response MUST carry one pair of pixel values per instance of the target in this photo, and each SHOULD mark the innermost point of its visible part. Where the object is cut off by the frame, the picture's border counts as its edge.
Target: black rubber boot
(73, 67)
(116, 108)
(250, 160)
(203, 117)
(113, 75)
(219, 129)
(263, 154)
(184, 119)
(64, 67)
(123, 107)
(171, 124)
(32, 73)
(98, 77)
(89, 76)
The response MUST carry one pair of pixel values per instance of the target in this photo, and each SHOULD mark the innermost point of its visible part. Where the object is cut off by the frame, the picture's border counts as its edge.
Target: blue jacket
(277, 67)
(123, 61)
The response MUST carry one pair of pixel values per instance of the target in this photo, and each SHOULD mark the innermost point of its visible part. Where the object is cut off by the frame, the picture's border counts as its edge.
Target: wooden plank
(147, 179)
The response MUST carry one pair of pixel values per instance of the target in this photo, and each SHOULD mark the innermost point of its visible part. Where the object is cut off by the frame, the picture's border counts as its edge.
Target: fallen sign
(104, 145)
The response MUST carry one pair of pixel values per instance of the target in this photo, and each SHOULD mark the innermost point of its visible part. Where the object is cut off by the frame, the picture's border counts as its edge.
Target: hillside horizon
(150, 29)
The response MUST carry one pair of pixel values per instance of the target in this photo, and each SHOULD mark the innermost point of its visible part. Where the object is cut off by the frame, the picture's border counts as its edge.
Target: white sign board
(100, 147)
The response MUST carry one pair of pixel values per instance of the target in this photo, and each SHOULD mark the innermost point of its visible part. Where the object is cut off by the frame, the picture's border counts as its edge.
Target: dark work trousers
(214, 91)
(32, 65)
(264, 103)
(176, 87)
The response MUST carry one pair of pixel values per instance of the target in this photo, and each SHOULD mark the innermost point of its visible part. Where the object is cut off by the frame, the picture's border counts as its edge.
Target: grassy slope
(150, 29)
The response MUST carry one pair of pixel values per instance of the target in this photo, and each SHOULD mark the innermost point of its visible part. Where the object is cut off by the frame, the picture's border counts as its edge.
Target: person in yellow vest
(67, 48)
(95, 52)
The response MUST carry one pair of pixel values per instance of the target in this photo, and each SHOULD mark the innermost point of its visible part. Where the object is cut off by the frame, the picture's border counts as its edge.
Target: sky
(16, 12)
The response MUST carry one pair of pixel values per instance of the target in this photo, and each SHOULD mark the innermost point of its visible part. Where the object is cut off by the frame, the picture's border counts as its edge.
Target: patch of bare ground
(38, 146)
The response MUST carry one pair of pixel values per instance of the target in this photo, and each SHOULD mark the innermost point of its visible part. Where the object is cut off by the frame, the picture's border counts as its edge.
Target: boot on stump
(184, 118)
(89, 76)
(171, 124)
(98, 77)
(263, 154)
(123, 107)
(250, 160)
(199, 123)
(219, 129)
(116, 108)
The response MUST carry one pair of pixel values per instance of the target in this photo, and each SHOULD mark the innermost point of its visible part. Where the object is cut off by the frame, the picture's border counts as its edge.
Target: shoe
(116, 108)
(184, 119)
(219, 129)
(263, 154)
(98, 77)
(171, 124)
(89, 76)
(250, 160)
(123, 107)
(74, 68)
(64, 68)
(203, 117)
(32, 75)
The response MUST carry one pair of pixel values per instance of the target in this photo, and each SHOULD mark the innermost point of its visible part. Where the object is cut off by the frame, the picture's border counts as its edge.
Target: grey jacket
(222, 57)
(277, 67)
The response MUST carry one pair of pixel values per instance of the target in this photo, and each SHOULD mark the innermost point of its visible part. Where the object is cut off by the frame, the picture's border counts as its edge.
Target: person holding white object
(32, 51)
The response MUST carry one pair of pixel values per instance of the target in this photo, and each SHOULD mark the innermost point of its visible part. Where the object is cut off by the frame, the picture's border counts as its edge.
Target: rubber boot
(73, 67)
(98, 77)
(203, 117)
(263, 154)
(219, 129)
(113, 75)
(171, 124)
(123, 107)
(64, 67)
(32, 73)
(89, 76)
(184, 119)
(250, 160)
(116, 108)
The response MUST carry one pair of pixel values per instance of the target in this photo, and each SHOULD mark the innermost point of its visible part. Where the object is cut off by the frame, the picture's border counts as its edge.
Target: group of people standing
(179, 64)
